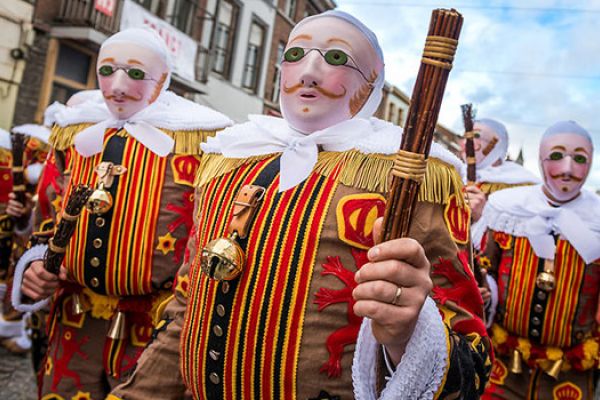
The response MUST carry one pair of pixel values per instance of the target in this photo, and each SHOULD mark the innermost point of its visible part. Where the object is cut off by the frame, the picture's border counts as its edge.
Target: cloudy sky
(526, 63)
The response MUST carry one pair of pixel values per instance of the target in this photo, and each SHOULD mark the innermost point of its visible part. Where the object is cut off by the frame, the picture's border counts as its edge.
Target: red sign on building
(106, 7)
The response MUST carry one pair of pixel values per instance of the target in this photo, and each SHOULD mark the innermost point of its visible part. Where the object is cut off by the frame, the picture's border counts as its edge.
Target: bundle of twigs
(410, 163)
(18, 141)
(468, 116)
(57, 246)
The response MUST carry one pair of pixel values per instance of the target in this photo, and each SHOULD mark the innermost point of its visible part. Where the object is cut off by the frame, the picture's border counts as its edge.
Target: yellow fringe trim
(369, 172)
(186, 142)
(490, 187)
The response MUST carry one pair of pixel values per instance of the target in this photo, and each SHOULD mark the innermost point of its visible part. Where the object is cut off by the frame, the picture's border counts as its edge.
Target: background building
(17, 37)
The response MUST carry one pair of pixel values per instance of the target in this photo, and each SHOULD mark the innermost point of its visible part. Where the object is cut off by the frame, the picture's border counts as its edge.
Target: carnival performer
(14, 334)
(318, 311)
(120, 263)
(542, 245)
(494, 172)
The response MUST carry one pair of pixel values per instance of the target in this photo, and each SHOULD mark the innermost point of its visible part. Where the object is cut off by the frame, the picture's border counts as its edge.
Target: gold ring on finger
(396, 300)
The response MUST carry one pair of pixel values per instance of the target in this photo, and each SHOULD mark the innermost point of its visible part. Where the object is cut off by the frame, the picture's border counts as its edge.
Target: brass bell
(222, 259)
(516, 362)
(80, 304)
(545, 281)
(554, 371)
(100, 201)
(118, 327)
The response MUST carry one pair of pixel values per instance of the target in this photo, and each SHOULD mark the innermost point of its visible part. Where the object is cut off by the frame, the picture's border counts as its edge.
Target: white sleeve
(33, 254)
(421, 369)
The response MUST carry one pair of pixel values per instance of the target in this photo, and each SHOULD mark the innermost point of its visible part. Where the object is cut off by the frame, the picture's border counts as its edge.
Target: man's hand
(38, 283)
(17, 209)
(476, 199)
(392, 288)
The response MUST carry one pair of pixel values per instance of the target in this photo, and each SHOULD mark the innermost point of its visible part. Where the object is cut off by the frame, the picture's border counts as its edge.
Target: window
(147, 4)
(400, 121)
(183, 15)
(223, 37)
(391, 112)
(310, 10)
(254, 56)
(74, 71)
(277, 75)
(69, 68)
(290, 9)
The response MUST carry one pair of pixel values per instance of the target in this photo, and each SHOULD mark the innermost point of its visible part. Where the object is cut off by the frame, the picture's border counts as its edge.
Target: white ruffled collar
(170, 112)
(525, 212)
(508, 172)
(265, 135)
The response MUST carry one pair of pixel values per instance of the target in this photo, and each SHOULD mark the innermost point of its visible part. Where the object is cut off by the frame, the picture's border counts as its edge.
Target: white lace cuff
(421, 369)
(33, 254)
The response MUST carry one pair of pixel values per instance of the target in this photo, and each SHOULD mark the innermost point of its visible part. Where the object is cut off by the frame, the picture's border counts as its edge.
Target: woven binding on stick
(410, 165)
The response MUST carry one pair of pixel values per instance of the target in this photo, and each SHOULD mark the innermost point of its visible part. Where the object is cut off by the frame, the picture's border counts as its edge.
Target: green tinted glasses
(334, 57)
(134, 73)
(557, 155)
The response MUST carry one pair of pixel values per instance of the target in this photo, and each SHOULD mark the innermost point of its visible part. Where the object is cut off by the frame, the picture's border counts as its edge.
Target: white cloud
(533, 44)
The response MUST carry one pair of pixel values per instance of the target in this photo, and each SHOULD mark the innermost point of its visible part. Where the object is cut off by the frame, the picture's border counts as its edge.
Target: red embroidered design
(504, 240)
(457, 220)
(325, 297)
(589, 290)
(185, 212)
(463, 291)
(184, 169)
(356, 215)
(70, 347)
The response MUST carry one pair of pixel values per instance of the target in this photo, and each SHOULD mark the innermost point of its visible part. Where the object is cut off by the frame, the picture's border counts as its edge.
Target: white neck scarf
(525, 212)
(508, 172)
(169, 111)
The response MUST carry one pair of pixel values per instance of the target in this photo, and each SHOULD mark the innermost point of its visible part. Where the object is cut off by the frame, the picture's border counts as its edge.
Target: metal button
(214, 378)
(225, 287)
(168, 284)
(579, 335)
(214, 354)
(221, 310)
(535, 333)
(95, 282)
(100, 222)
(541, 295)
(535, 320)
(95, 262)
(218, 330)
(538, 308)
(97, 243)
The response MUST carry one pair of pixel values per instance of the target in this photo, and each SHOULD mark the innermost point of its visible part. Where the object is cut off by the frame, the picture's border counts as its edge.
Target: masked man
(493, 171)
(120, 263)
(543, 248)
(318, 311)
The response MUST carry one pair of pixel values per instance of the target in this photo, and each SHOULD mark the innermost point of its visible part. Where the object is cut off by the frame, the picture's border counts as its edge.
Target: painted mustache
(324, 92)
(561, 176)
(123, 97)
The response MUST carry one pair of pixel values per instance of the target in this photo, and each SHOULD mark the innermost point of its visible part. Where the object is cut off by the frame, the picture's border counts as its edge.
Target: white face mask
(327, 74)
(565, 160)
(130, 77)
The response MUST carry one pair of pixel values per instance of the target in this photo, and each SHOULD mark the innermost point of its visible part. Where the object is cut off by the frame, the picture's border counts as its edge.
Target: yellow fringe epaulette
(369, 172)
(215, 165)
(186, 142)
(491, 187)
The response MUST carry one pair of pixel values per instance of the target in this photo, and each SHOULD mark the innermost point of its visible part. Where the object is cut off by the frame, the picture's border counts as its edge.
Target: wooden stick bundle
(468, 116)
(410, 163)
(18, 141)
(57, 245)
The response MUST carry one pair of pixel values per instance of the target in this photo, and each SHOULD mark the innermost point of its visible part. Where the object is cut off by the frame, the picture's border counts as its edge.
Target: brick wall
(30, 87)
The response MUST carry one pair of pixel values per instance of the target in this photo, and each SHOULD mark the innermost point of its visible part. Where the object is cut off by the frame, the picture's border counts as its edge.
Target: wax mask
(485, 139)
(130, 77)
(565, 160)
(327, 74)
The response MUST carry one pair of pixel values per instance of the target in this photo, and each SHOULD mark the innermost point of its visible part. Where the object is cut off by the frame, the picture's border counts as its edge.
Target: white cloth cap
(500, 149)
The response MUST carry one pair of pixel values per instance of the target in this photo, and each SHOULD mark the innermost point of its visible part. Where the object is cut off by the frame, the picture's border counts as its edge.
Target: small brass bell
(545, 281)
(118, 327)
(554, 371)
(80, 305)
(516, 362)
(222, 259)
(100, 201)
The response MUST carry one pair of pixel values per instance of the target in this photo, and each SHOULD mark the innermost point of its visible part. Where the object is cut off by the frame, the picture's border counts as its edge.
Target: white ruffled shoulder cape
(525, 212)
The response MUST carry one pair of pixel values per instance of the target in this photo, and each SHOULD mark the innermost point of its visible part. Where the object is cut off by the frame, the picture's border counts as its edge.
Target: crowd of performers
(242, 261)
